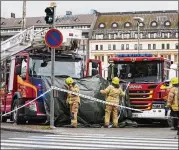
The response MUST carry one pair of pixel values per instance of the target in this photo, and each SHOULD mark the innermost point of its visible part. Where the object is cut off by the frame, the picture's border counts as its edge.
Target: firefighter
(73, 100)
(173, 102)
(113, 93)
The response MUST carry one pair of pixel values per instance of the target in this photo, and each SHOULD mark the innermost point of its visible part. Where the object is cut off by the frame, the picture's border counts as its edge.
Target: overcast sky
(36, 8)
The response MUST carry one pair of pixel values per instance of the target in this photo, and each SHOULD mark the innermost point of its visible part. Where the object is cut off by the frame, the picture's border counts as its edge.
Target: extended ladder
(27, 38)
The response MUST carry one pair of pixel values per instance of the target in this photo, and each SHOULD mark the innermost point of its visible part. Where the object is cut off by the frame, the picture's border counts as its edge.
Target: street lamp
(139, 20)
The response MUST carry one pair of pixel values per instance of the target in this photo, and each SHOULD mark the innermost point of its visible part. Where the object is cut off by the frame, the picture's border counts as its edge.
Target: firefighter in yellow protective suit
(73, 100)
(173, 102)
(113, 93)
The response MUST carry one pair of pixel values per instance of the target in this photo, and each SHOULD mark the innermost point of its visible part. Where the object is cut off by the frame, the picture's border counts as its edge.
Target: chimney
(13, 15)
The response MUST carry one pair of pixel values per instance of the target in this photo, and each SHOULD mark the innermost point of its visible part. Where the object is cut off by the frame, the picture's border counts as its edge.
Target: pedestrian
(173, 103)
(73, 101)
(113, 93)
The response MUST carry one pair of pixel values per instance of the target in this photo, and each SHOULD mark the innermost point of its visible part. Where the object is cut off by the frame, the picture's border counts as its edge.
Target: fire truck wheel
(15, 115)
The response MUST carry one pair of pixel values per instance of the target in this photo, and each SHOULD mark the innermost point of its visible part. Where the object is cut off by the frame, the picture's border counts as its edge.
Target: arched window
(101, 25)
(127, 25)
(167, 23)
(114, 25)
(154, 24)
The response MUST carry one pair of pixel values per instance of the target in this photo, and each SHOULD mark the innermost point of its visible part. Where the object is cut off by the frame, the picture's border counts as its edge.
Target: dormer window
(114, 25)
(141, 24)
(154, 24)
(167, 23)
(101, 25)
(127, 25)
(38, 21)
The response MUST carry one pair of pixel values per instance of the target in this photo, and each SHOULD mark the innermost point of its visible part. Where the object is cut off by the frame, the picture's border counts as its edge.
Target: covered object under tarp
(90, 112)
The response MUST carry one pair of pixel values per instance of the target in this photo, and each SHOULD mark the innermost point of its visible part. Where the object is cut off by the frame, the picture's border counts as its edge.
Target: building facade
(116, 33)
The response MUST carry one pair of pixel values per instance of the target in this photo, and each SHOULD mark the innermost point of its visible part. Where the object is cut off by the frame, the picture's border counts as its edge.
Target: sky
(36, 8)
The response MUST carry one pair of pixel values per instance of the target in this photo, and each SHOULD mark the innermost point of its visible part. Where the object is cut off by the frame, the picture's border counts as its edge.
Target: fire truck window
(24, 69)
(140, 72)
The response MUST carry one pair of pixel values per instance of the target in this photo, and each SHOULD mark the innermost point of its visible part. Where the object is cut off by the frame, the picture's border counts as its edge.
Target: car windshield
(139, 71)
(37, 67)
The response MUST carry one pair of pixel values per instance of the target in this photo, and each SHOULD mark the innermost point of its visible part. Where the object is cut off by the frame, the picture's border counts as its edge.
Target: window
(176, 46)
(102, 58)
(153, 24)
(149, 46)
(163, 46)
(122, 46)
(109, 46)
(167, 23)
(127, 25)
(114, 46)
(175, 58)
(168, 46)
(139, 72)
(140, 46)
(135, 46)
(127, 46)
(101, 25)
(114, 25)
(169, 57)
(101, 47)
(154, 46)
(96, 47)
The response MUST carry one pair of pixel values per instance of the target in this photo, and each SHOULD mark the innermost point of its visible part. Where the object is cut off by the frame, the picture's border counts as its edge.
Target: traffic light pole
(52, 77)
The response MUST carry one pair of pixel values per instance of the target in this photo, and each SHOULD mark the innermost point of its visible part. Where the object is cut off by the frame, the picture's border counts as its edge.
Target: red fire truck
(147, 76)
(25, 59)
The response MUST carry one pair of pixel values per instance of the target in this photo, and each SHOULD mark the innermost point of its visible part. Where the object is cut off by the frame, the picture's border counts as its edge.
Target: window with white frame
(168, 46)
(122, 46)
(96, 47)
(149, 46)
(101, 47)
(109, 46)
(135, 46)
(114, 46)
(154, 46)
(127, 46)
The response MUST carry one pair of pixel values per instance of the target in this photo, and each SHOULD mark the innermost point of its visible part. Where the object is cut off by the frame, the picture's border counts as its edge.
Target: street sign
(53, 38)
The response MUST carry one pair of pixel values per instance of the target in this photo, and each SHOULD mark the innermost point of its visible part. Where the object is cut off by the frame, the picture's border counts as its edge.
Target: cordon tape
(78, 94)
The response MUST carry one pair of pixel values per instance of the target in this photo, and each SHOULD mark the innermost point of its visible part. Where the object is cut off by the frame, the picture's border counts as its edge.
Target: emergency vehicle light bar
(134, 55)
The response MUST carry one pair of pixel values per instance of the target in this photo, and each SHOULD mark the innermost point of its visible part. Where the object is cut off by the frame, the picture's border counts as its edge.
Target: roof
(121, 18)
(82, 19)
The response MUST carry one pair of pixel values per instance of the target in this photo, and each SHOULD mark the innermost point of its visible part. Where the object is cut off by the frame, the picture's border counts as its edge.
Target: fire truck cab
(147, 77)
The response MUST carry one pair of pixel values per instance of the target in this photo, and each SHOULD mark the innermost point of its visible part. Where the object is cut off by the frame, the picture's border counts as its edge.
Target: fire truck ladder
(29, 39)
(18, 42)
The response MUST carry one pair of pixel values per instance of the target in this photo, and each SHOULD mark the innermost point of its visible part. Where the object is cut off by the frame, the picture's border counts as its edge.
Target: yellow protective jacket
(173, 99)
(73, 98)
(113, 94)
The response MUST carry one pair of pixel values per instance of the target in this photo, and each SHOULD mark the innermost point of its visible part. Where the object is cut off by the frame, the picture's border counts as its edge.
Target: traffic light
(49, 15)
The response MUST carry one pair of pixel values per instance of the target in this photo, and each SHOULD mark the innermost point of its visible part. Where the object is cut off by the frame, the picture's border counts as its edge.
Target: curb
(26, 130)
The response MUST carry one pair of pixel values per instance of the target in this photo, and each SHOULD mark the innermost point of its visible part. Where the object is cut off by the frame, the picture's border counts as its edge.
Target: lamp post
(139, 20)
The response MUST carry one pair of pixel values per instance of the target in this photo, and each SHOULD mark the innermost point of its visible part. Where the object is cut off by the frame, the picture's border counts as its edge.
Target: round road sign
(53, 38)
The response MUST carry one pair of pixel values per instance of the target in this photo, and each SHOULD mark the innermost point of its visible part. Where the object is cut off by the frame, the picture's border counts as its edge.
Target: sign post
(53, 39)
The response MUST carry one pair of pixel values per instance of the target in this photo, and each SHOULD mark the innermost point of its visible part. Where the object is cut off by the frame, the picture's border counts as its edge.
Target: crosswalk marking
(88, 142)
